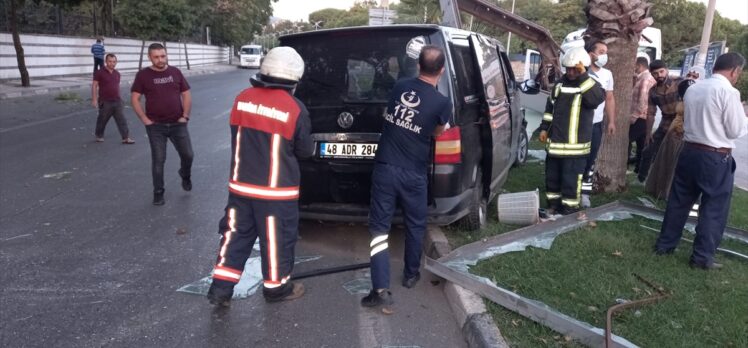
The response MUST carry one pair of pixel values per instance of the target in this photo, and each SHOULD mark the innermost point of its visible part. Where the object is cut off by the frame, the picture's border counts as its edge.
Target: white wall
(50, 55)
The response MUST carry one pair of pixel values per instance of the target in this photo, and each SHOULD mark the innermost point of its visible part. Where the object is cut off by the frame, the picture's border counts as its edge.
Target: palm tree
(619, 23)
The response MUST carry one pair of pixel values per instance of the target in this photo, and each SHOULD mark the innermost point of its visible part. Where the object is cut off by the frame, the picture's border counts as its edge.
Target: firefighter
(270, 129)
(567, 131)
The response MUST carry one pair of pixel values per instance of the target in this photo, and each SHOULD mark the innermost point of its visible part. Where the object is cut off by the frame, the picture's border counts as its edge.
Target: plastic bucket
(520, 208)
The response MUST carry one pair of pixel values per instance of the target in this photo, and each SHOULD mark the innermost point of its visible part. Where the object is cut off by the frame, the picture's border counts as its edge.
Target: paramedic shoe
(220, 296)
(411, 282)
(586, 201)
(291, 291)
(377, 298)
(158, 197)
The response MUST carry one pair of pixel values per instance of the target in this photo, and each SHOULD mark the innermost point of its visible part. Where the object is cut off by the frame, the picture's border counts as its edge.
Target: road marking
(36, 123)
(21, 236)
(221, 115)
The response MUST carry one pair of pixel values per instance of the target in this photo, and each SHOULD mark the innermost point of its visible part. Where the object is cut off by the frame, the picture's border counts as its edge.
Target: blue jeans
(391, 185)
(711, 175)
(177, 133)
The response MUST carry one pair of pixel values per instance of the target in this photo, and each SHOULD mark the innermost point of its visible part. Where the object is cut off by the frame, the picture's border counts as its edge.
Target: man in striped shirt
(98, 51)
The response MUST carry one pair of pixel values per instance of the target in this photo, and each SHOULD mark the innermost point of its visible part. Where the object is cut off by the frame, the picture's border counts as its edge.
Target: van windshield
(250, 50)
(353, 67)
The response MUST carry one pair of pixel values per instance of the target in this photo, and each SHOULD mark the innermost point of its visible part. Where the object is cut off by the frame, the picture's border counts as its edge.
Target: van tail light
(448, 147)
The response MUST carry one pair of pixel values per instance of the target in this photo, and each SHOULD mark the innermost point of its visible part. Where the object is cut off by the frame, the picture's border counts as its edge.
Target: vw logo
(345, 120)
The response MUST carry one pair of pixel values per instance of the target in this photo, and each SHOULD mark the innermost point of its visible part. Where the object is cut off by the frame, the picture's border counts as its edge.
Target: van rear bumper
(444, 211)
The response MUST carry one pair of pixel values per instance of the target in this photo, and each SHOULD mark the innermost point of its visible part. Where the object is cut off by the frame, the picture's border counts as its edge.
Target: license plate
(347, 150)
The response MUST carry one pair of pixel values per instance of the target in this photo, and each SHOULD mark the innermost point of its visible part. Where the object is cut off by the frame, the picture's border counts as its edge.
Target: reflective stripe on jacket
(568, 116)
(270, 129)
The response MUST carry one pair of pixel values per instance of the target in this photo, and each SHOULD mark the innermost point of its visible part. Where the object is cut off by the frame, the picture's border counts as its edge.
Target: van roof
(252, 46)
(450, 31)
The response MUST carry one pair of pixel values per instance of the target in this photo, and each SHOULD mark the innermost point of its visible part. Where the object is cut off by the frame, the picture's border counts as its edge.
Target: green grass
(706, 309)
(68, 96)
(523, 332)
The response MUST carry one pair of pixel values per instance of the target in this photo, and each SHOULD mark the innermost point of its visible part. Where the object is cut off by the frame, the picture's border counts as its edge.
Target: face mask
(601, 60)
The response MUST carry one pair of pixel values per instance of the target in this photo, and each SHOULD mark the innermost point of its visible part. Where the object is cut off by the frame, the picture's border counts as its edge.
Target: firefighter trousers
(563, 182)
(275, 223)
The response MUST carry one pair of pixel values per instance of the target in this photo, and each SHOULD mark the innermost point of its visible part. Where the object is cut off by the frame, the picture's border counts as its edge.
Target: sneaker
(220, 296)
(376, 298)
(711, 266)
(586, 201)
(158, 197)
(411, 282)
(187, 184)
(297, 290)
(99, 140)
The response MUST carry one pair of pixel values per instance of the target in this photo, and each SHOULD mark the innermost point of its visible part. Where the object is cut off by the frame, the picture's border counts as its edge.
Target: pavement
(56, 84)
(89, 261)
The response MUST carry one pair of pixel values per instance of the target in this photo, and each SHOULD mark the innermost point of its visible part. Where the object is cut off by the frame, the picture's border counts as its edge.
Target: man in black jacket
(270, 129)
(567, 129)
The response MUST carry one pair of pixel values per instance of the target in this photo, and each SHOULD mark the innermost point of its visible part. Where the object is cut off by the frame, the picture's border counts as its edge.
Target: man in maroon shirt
(105, 96)
(167, 111)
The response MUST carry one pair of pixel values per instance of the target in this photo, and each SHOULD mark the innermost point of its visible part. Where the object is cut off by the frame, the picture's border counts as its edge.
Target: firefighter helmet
(283, 63)
(575, 56)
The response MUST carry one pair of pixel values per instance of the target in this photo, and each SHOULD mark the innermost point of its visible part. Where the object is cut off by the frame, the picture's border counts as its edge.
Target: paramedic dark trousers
(597, 138)
(158, 133)
(276, 223)
(390, 185)
(710, 174)
(563, 182)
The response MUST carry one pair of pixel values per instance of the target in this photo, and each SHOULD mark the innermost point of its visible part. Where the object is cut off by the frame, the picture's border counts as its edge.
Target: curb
(27, 92)
(476, 323)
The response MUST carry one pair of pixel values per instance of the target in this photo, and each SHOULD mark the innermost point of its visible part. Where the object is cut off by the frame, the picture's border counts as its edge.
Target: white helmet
(283, 63)
(574, 56)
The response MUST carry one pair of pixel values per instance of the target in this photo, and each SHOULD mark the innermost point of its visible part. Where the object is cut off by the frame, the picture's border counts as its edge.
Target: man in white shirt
(713, 119)
(598, 52)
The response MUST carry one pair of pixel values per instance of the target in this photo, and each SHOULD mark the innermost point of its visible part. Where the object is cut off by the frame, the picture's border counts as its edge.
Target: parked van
(346, 84)
(250, 56)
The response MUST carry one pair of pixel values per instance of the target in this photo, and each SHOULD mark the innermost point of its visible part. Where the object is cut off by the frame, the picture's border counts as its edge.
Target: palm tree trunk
(619, 23)
(612, 161)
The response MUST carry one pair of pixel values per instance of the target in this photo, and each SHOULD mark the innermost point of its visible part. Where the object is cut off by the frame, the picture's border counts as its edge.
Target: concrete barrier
(50, 55)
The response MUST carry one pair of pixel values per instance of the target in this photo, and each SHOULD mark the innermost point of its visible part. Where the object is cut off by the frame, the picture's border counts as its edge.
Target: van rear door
(497, 105)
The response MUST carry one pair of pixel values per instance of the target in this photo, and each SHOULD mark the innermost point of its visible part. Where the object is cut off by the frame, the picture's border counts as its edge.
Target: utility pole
(705, 34)
(509, 37)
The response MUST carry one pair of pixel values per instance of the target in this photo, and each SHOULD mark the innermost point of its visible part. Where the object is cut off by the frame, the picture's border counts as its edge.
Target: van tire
(478, 212)
(523, 144)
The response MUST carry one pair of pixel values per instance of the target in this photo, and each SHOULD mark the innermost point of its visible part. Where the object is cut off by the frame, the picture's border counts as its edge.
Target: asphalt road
(88, 261)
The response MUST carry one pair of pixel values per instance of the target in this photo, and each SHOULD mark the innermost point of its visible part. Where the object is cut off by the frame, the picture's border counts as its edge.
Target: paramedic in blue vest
(416, 113)
(567, 131)
(270, 130)
(98, 51)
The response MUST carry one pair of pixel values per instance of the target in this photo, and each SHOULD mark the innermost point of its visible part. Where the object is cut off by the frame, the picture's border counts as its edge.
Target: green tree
(157, 19)
(235, 22)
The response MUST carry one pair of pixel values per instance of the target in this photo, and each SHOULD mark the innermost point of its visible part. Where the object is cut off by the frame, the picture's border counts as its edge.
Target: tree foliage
(357, 15)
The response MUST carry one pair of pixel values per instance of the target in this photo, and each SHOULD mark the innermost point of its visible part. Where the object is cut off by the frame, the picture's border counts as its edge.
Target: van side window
(508, 72)
(465, 71)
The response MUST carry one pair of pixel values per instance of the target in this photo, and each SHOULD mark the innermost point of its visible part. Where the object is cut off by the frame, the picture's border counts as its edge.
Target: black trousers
(177, 133)
(98, 64)
(563, 182)
(711, 175)
(275, 223)
(107, 109)
(638, 134)
(649, 153)
(589, 169)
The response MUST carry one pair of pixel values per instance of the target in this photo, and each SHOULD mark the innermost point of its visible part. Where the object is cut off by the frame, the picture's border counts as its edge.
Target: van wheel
(523, 145)
(477, 215)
